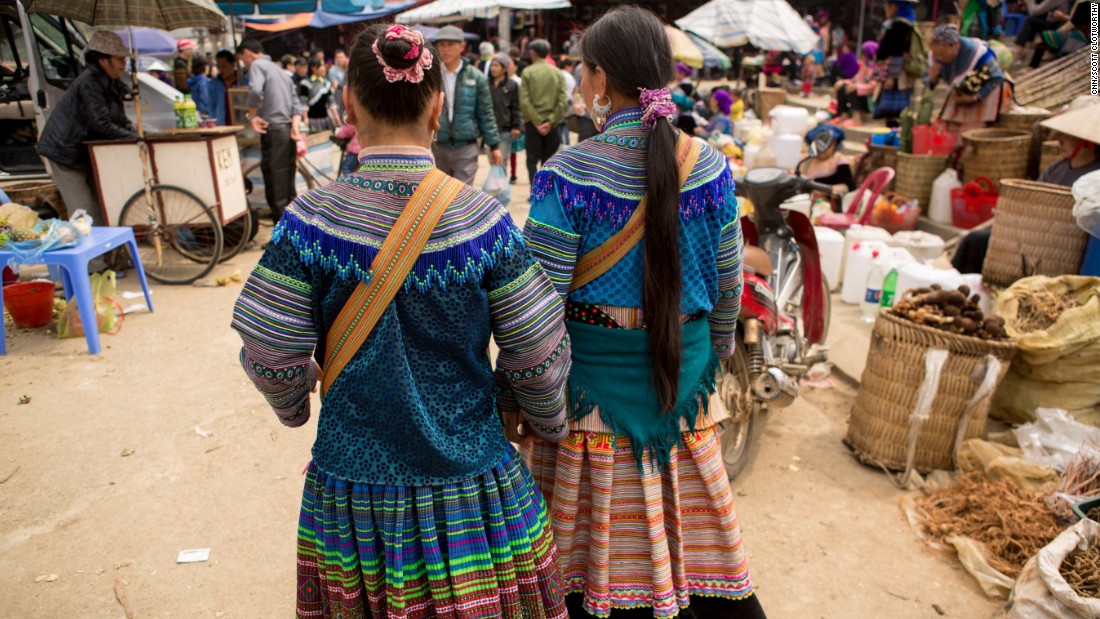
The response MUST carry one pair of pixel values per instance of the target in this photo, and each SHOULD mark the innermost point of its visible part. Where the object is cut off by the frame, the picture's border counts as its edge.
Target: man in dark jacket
(181, 65)
(91, 109)
(505, 102)
(467, 111)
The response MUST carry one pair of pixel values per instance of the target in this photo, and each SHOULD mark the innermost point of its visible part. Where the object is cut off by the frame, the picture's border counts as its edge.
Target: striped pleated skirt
(632, 539)
(476, 549)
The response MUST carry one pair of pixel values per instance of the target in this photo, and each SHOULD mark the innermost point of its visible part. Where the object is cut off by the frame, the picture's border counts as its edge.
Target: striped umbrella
(770, 25)
(713, 58)
(442, 11)
(159, 14)
(683, 48)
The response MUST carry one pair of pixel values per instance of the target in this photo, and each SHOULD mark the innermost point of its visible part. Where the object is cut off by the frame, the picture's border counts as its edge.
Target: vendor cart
(191, 213)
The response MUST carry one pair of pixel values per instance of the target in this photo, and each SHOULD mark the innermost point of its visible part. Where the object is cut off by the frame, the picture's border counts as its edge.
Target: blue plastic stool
(1013, 22)
(74, 275)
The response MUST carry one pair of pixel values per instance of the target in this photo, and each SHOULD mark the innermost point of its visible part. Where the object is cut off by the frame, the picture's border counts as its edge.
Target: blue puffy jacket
(473, 111)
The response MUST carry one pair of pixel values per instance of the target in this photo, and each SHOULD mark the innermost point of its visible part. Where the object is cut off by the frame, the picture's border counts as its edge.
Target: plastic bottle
(177, 107)
(889, 288)
(190, 113)
(876, 274)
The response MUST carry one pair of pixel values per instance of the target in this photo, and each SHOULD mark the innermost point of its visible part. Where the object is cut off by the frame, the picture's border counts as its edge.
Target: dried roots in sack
(1081, 569)
(1039, 309)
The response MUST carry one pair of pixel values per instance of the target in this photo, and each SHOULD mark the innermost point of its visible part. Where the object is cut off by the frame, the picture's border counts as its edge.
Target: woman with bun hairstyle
(638, 229)
(393, 279)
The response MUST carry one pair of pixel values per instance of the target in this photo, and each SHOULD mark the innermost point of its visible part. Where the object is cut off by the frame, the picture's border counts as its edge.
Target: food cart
(191, 214)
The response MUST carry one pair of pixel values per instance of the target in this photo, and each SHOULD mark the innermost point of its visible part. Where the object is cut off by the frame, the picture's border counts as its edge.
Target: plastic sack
(107, 311)
(497, 185)
(1042, 592)
(972, 555)
(998, 461)
(519, 144)
(1055, 438)
(301, 147)
(1086, 210)
(52, 234)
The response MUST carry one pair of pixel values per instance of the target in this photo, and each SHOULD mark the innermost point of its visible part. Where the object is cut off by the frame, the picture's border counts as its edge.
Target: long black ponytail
(632, 48)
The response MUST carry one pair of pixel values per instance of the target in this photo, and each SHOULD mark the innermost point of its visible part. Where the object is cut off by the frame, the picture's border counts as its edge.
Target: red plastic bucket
(30, 304)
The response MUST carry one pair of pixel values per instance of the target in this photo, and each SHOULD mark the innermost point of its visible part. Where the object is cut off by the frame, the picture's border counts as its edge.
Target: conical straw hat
(1082, 123)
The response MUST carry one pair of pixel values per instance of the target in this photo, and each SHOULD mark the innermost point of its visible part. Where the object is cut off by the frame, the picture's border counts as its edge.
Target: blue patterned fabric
(416, 404)
(585, 194)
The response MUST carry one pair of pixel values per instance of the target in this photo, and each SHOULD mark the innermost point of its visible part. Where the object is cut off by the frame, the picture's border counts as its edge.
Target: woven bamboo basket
(1022, 121)
(1034, 233)
(995, 154)
(915, 174)
(766, 99)
(32, 193)
(880, 426)
(1051, 152)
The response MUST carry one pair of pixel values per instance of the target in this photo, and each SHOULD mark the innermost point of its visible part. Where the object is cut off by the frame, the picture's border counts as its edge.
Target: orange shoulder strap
(600, 259)
(389, 269)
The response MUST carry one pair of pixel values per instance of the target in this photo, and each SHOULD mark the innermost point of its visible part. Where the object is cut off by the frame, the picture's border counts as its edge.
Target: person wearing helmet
(827, 165)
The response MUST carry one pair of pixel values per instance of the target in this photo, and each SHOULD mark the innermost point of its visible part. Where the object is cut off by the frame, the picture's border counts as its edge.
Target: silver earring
(600, 112)
(435, 136)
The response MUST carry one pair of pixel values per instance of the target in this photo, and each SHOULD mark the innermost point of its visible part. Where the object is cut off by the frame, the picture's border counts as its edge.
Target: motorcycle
(785, 308)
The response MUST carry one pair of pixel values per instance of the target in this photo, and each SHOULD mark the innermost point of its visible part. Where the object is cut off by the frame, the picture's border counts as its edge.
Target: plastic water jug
(765, 158)
(857, 234)
(855, 270)
(939, 207)
(788, 150)
(923, 245)
(789, 119)
(917, 275)
(830, 244)
(749, 159)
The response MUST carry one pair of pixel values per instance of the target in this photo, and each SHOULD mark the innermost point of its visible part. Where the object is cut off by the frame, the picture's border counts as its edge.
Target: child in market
(199, 83)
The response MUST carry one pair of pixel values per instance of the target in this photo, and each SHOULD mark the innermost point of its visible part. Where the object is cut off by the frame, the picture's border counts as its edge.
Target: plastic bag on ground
(497, 185)
(108, 312)
(972, 555)
(1042, 592)
(1055, 438)
(998, 461)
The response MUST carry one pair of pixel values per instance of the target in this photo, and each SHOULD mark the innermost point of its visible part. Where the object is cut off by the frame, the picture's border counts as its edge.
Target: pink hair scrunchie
(657, 104)
(415, 73)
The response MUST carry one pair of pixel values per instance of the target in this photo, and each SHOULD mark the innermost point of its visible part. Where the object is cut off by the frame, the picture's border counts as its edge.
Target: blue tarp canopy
(324, 19)
(287, 7)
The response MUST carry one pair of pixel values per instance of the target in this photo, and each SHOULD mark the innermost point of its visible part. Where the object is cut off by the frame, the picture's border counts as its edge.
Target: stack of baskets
(882, 419)
(1034, 233)
(995, 154)
(915, 174)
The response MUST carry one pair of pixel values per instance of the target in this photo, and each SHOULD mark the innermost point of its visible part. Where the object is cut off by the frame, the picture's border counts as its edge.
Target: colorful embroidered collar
(404, 158)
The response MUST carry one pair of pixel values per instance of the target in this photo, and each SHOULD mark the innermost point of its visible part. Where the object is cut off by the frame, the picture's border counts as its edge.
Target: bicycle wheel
(237, 235)
(179, 239)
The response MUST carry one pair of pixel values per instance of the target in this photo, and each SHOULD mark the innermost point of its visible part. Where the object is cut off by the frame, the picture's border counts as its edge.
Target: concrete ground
(119, 461)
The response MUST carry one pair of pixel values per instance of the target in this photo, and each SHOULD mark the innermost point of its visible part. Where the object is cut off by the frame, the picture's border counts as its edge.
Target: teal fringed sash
(613, 369)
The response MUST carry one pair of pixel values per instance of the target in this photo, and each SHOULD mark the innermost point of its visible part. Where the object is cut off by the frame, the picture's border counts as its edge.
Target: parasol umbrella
(683, 48)
(148, 40)
(713, 58)
(159, 14)
(770, 25)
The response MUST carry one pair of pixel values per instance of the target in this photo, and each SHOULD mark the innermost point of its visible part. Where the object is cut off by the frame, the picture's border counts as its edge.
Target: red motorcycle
(784, 310)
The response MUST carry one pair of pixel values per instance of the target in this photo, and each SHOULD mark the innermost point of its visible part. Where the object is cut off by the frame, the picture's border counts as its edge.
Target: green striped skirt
(474, 549)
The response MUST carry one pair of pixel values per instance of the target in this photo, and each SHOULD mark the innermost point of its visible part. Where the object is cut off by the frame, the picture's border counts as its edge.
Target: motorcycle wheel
(738, 446)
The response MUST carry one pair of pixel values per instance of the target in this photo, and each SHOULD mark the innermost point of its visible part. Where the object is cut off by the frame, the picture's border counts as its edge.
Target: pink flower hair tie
(415, 73)
(657, 104)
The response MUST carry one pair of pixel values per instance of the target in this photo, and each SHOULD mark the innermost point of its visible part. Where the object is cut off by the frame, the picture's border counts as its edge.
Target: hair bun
(396, 52)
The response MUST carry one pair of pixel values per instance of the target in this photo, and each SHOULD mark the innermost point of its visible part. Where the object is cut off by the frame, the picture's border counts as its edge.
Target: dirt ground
(160, 444)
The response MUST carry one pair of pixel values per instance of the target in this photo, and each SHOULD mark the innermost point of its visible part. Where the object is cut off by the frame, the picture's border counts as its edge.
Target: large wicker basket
(766, 99)
(1034, 233)
(882, 418)
(1051, 152)
(1022, 120)
(915, 174)
(33, 193)
(995, 154)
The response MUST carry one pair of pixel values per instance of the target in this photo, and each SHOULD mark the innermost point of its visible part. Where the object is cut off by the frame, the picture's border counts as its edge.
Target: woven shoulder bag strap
(389, 269)
(600, 259)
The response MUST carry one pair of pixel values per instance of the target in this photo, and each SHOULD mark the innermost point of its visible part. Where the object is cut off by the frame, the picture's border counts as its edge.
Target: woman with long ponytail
(637, 227)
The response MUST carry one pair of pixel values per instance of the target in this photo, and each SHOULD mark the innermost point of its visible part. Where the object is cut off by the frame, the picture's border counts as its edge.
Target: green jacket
(542, 94)
(473, 111)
